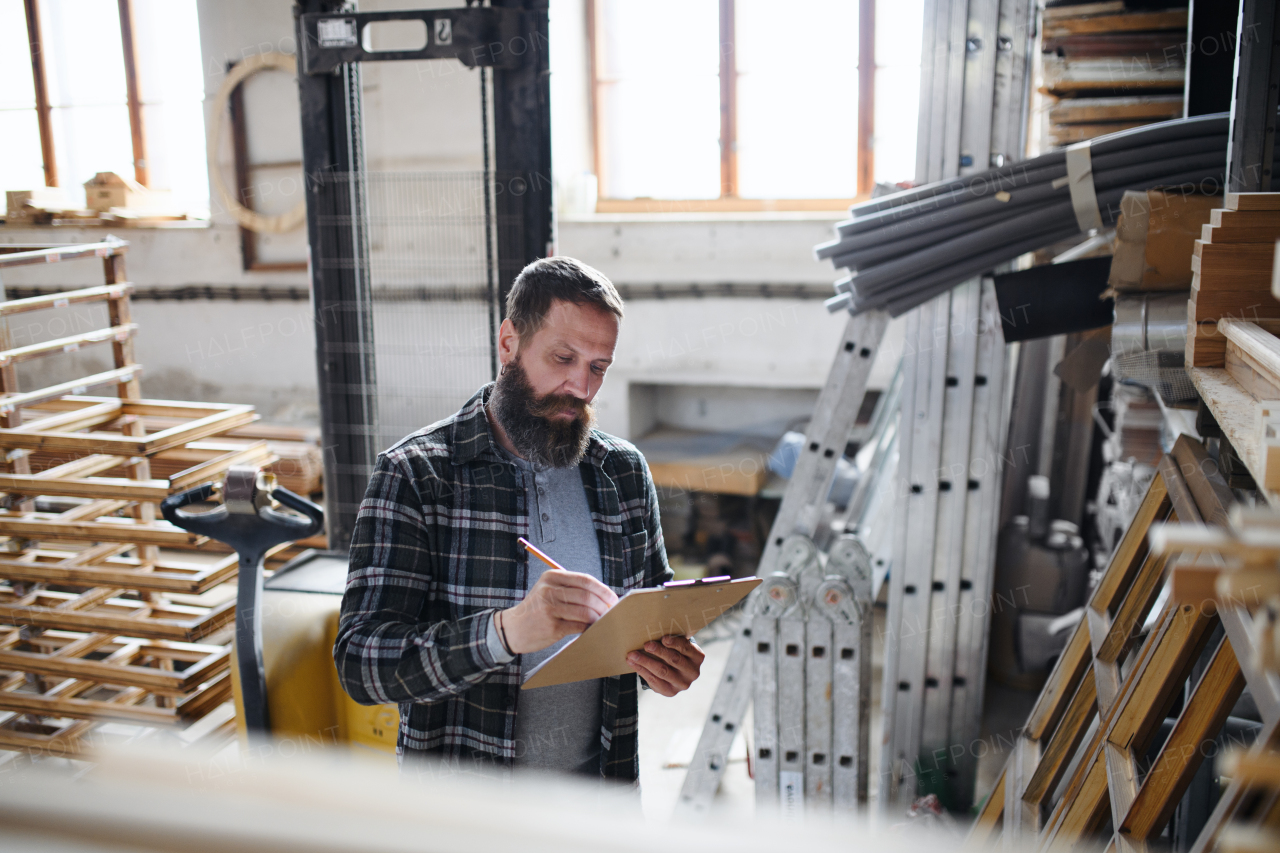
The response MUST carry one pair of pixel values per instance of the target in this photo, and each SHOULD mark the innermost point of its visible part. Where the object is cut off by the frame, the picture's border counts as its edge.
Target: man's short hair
(545, 280)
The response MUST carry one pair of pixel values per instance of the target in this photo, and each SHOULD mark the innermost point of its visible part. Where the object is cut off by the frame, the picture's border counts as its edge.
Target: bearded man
(445, 612)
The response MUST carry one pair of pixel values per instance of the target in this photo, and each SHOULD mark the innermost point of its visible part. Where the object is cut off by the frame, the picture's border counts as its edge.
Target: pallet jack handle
(249, 522)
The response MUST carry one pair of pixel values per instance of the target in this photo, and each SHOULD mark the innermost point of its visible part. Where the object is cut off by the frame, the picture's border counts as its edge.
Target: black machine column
(511, 38)
(522, 149)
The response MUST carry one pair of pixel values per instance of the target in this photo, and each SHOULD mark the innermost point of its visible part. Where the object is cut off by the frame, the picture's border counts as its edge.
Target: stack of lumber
(1139, 694)
(1109, 68)
(103, 634)
(1232, 265)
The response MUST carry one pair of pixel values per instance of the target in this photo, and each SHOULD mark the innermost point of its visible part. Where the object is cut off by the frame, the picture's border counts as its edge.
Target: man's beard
(527, 421)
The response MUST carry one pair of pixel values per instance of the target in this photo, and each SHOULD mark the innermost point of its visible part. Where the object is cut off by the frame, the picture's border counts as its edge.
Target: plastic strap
(1080, 181)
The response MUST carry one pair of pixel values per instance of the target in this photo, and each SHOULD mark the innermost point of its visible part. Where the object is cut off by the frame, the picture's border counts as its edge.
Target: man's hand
(561, 603)
(670, 665)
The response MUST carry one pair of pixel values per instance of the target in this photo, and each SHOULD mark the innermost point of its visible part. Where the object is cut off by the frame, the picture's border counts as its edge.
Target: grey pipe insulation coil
(906, 248)
(1023, 186)
(1215, 124)
(902, 296)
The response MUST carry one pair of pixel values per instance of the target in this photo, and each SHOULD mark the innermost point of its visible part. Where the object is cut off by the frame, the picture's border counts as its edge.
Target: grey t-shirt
(557, 728)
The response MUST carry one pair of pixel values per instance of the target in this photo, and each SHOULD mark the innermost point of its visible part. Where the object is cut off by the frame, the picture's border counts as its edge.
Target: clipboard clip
(692, 581)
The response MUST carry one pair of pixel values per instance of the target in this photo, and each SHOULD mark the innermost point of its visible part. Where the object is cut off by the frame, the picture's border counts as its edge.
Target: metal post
(338, 265)
(1253, 101)
(522, 148)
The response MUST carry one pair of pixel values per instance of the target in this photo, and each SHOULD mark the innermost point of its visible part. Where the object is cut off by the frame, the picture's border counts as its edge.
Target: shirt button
(541, 490)
(546, 517)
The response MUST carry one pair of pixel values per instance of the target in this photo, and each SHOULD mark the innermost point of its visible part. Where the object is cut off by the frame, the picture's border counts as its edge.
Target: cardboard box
(106, 190)
(21, 204)
(1155, 237)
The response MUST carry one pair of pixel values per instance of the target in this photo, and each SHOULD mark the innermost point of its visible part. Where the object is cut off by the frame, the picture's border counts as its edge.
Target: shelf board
(1233, 408)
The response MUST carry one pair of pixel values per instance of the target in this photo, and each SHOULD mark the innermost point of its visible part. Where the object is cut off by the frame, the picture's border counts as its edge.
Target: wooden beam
(158, 577)
(728, 101)
(67, 344)
(1182, 753)
(866, 96)
(101, 293)
(141, 173)
(155, 533)
(13, 402)
(44, 110)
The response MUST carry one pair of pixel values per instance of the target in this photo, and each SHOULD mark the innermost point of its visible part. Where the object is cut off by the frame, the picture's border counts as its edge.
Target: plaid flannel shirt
(434, 555)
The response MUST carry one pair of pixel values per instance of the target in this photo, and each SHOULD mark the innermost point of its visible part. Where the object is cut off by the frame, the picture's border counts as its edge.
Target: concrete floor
(669, 731)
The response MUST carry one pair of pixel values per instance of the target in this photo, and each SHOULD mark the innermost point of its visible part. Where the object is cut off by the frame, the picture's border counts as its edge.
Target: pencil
(529, 546)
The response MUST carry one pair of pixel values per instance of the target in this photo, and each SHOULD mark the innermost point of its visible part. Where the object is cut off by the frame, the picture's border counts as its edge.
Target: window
(94, 86)
(780, 116)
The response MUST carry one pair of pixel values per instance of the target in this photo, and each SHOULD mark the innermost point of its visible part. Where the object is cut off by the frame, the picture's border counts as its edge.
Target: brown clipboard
(679, 607)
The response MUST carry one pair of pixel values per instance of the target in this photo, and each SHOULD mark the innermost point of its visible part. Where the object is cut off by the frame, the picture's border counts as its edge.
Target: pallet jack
(283, 678)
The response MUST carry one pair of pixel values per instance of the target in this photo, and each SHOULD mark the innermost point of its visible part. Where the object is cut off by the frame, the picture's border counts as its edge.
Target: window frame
(44, 110)
(729, 200)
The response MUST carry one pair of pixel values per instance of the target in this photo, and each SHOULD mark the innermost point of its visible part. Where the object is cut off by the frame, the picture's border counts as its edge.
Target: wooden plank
(1243, 219)
(174, 622)
(67, 344)
(164, 576)
(1206, 346)
(1222, 235)
(1259, 344)
(118, 445)
(153, 679)
(1204, 480)
(1246, 304)
(1252, 201)
(101, 293)
(1079, 110)
(44, 254)
(985, 825)
(257, 454)
(40, 526)
(1173, 19)
(13, 402)
(83, 417)
(1133, 609)
(99, 709)
(1173, 651)
(1127, 559)
(1233, 409)
(212, 424)
(88, 487)
(1245, 371)
(1183, 502)
(1106, 7)
(1064, 743)
(1182, 753)
(1084, 810)
(1062, 685)
(1232, 262)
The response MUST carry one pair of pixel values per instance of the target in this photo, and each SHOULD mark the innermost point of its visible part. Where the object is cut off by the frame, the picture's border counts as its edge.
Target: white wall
(426, 116)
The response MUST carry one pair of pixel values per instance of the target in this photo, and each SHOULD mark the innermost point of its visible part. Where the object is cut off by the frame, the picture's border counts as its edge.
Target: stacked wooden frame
(1081, 764)
(96, 625)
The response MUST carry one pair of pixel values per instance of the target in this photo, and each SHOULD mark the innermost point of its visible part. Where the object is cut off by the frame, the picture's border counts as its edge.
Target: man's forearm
(382, 661)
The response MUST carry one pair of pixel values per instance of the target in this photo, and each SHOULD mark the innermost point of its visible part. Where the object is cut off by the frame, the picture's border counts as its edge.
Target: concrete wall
(425, 116)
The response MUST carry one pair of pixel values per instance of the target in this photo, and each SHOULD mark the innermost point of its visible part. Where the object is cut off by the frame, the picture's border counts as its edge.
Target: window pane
(659, 98)
(20, 165)
(85, 66)
(171, 84)
(899, 30)
(797, 98)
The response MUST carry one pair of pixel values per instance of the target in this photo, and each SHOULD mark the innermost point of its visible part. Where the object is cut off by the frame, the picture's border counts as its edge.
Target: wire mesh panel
(421, 294)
